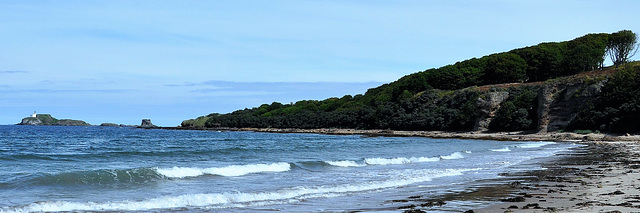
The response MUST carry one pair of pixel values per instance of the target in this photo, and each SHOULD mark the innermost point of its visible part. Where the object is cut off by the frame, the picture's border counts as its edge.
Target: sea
(122, 169)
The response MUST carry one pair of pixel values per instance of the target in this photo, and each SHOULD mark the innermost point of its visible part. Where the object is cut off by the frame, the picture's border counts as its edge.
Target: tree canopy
(621, 46)
(436, 99)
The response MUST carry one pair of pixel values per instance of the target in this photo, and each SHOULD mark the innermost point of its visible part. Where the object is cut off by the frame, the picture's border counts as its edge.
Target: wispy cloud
(13, 72)
(185, 84)
(282, 90)
(215, 92)
(66, 90)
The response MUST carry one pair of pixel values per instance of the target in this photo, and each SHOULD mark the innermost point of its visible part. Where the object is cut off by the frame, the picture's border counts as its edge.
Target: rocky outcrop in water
(48, 120)
(146, 123)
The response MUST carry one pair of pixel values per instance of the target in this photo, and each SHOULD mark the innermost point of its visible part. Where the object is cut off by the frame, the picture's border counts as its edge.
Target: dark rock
(432, 203)
(618, 192)
(513, 199)
(625, 204)
(525, 195)
(414, 211)
(146, 123)
(513, 207)
(531, 205)
(109, 124)
(470, 211)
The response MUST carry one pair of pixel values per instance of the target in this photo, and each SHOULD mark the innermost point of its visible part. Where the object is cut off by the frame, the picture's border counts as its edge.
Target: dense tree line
(434, 110)
(435, 99)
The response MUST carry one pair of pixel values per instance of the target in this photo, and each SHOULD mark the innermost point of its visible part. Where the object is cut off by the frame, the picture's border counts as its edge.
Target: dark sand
(602, 177)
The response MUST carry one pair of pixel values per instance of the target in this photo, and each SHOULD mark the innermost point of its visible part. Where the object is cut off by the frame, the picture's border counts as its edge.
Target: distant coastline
(48, 120)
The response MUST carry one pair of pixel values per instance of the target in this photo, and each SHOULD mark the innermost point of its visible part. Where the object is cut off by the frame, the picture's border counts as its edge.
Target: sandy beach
(600, 177)
(604, 176)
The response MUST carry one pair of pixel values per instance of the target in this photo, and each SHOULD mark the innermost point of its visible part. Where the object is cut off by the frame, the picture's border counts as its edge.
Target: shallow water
(128, 169)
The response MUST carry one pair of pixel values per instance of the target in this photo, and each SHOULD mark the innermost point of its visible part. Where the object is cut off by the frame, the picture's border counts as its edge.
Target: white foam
(453, 156)
(238, 199)
(399, 160)
(535, 144)
(345, 163)
(506, 149)
(233, 170)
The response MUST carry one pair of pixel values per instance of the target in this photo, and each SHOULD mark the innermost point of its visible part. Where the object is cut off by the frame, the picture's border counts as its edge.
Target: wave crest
(345, 163)
(238, 199)
(228, 171)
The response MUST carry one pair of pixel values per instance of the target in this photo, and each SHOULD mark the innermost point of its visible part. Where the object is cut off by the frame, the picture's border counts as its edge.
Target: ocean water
(116, 169)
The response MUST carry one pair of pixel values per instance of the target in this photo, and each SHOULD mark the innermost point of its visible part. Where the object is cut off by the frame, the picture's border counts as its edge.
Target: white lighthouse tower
(34, 114)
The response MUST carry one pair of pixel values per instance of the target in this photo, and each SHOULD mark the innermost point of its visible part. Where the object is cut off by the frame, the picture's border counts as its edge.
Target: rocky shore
(500, 136)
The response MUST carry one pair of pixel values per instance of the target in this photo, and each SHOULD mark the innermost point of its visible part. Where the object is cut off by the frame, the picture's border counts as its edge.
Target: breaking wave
(506, 149)
(237, 199)
(400, 160)
(228, 171)
(535, 144)
(345, 163)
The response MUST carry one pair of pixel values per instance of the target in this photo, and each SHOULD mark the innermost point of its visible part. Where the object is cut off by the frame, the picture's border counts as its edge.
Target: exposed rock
(109, 124)
(31, 121)
(146, 123)
(559, 102)
(513, 199)
(487, 107)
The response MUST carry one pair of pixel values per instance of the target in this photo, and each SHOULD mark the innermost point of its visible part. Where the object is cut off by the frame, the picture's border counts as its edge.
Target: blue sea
(114, 169)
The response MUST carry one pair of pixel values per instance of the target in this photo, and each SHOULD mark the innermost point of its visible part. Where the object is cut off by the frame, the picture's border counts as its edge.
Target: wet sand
(601, 177)
(605, 179)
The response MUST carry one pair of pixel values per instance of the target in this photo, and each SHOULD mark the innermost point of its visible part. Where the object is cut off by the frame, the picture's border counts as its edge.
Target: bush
(617, 109)
(518, 112)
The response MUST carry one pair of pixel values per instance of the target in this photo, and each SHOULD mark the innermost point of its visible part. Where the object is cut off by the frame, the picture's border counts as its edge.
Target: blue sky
(121, 61)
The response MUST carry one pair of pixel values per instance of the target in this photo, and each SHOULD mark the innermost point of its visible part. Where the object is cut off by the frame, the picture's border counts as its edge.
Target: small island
(48, 120)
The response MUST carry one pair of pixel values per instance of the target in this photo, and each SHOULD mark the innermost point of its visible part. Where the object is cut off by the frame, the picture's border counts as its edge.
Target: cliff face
(558, 102)
(48, 120)
(487, 107)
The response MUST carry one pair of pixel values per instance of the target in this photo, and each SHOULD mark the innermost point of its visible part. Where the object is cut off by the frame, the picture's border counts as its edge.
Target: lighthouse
(34, 114)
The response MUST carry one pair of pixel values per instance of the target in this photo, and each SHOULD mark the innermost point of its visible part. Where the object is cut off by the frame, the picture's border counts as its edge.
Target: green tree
(622, 46)
(505, 68)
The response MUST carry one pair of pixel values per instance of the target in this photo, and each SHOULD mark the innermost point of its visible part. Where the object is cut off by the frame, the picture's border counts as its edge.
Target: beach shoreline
(604, 176)
(600, 177)
(477, 135)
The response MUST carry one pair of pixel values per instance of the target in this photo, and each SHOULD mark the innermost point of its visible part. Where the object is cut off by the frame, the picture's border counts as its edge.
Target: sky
(120, 61)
